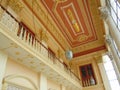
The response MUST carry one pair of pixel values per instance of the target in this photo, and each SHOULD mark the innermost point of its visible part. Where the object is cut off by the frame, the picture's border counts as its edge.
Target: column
(103, 75)
(3, 61)
(110, 26)
(43, 82)
(114, 31)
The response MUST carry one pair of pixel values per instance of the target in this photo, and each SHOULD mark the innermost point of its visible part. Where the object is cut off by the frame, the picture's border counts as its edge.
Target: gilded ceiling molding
(73, 21)
(59, 52)
(56, 2)
(83, 38)
(16, 5)
(44, 36)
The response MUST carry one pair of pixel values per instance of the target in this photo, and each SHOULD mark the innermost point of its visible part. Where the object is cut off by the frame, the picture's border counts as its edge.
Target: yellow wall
(16, 69)
(53, 85)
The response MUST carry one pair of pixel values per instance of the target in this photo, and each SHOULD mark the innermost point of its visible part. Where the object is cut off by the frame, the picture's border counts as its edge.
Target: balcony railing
(25, 35)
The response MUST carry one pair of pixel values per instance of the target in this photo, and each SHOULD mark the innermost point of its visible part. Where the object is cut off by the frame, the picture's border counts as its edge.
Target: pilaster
(43, 82)
(3, 61)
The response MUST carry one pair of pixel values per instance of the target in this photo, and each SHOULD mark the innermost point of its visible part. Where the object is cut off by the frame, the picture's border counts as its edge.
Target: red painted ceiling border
(89, 51)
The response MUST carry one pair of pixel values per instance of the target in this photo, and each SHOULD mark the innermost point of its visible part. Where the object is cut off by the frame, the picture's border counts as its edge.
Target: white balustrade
(27, 37)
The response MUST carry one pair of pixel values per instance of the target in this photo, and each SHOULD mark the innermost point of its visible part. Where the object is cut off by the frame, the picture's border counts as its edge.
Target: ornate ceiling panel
(69, 18)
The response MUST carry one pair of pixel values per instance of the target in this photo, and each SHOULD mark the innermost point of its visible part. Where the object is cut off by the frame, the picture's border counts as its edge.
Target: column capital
(110, 55)
(104, 13)
(108, 39)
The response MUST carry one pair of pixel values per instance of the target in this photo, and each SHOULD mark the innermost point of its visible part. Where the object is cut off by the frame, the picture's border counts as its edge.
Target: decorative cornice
(44, 35)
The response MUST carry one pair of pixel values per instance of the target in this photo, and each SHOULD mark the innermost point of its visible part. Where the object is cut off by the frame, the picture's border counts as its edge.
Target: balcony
(21, 45)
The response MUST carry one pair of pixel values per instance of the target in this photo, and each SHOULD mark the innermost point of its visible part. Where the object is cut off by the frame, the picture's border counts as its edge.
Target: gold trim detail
(16, 5)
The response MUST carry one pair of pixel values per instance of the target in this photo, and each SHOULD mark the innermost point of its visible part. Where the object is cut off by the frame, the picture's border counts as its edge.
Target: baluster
(25, 34)
(16, 28)
(84, 84)
(21, 33)
(29, 36)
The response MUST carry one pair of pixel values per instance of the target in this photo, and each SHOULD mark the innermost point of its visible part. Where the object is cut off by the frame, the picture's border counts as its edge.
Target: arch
(10, 77)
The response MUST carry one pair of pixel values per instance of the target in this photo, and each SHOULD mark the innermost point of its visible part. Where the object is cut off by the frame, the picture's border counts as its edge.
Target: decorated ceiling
(78, 21)
(70, 19)
(74, 24)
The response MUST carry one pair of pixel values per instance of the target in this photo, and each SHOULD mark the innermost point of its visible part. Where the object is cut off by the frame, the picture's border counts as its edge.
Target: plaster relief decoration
(43, 35)
(108, 39)
(16, 5)
(104, 12)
